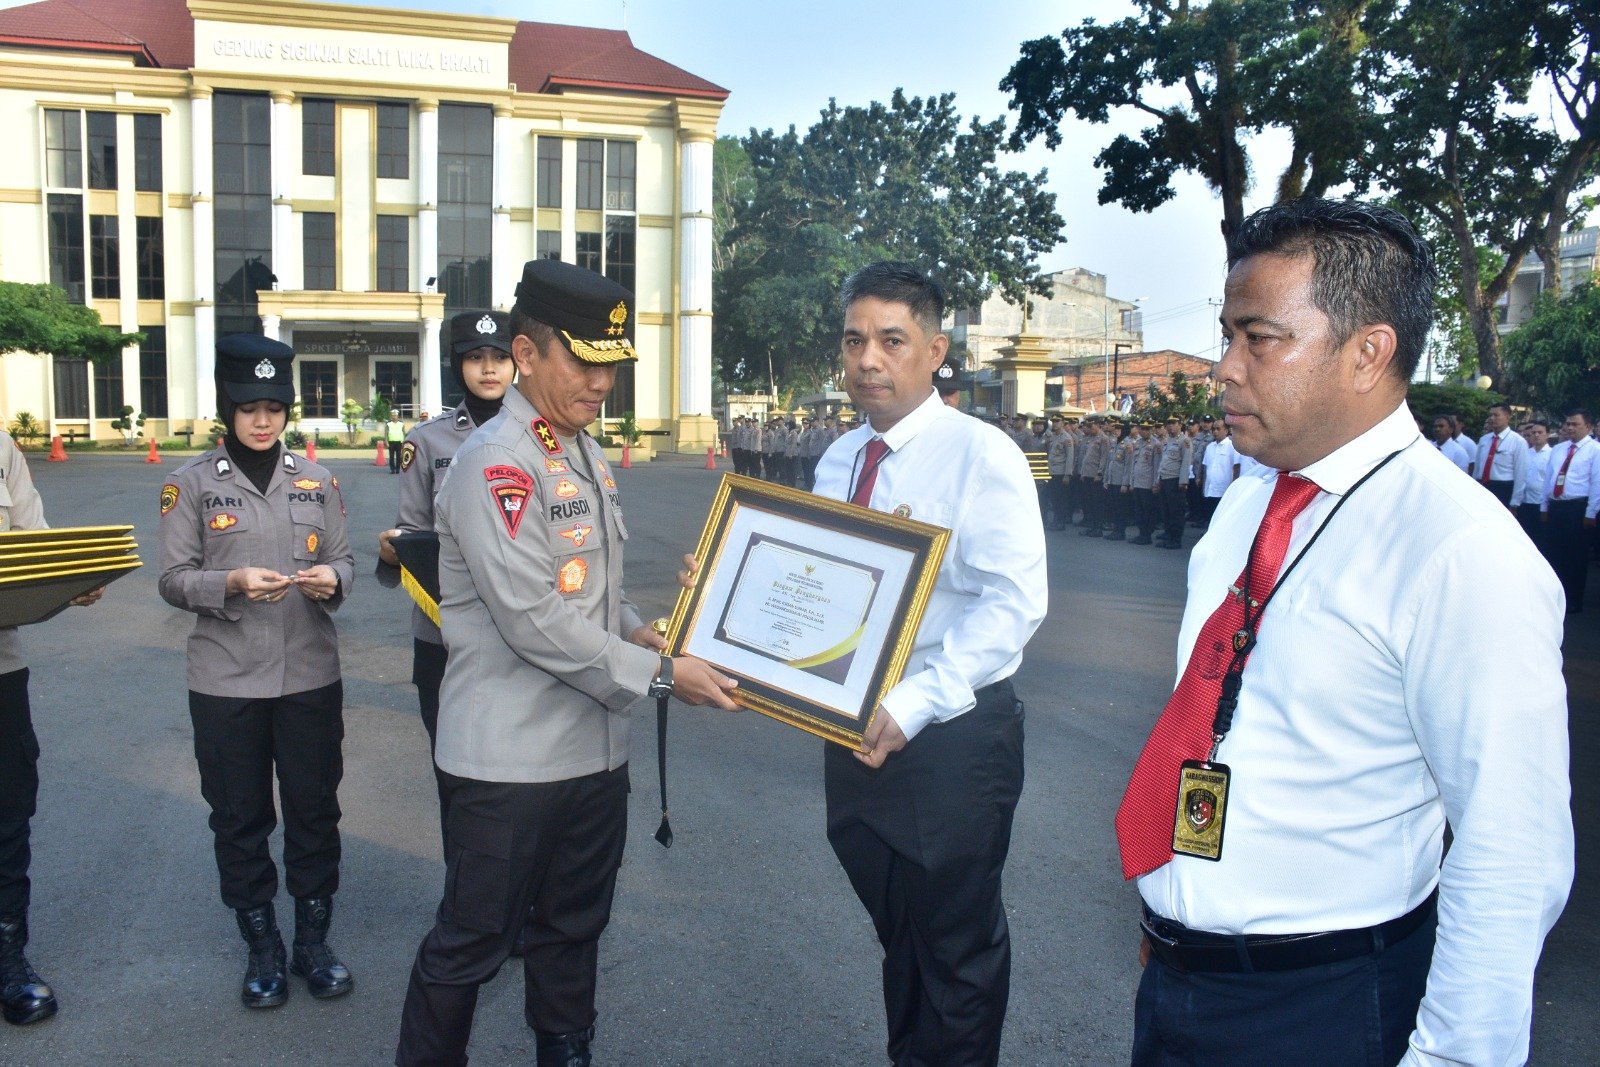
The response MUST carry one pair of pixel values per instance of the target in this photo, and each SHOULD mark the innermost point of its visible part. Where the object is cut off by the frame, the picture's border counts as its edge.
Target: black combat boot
(564, 1050)
(313, 960)
(265, 984)
(25, 996)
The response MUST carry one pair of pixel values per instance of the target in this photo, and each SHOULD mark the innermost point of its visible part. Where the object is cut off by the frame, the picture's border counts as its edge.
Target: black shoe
(313, 960)
(1141, 540)
(265, 985)
(564, 1050)
(24, 996)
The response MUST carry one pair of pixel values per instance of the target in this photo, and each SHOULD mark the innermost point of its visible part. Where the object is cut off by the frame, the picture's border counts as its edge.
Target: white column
(272, 327)
(430, 398)
(694, 278)
(205, 285)
(427, 192)
(502, 277)
(283, 169)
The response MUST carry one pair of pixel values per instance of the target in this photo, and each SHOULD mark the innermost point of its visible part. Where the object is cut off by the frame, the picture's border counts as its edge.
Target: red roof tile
(544, 57)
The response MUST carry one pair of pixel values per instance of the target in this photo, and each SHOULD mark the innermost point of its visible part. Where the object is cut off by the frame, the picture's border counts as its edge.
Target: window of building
(394, 254)
(621, 159)
(63, 149)
(242, 206)
(153, 372)
(620, 243)
(147, 153)
(102, 150)
(319, 388)
(151, 257)
(72, 387)
(591, 175)
(394, 140)
(320, 250)
(316, 136)
(547, 244)
(108, 388)
(66, 244)
(589, 251)
(466, 172)
(549, 172)
(105, 276)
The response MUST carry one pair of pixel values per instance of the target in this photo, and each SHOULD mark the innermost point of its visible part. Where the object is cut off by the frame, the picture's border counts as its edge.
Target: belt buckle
(1151, 932)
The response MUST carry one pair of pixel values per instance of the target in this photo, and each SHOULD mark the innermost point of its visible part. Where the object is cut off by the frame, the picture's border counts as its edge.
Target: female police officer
(253, 542)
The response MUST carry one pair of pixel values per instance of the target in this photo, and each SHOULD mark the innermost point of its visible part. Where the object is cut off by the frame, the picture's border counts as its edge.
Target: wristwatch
(661, 684)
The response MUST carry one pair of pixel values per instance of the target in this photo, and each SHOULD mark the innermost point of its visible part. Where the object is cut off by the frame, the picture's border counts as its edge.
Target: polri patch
(223, 521)
(571, 576)
(578, 534)
(307, 484)
(312, 541)
(566, 489)
(546, 436)
(169, 497)
(408, 453)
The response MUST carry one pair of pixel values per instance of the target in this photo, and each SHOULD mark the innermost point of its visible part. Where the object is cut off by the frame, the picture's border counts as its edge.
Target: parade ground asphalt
(742, 944)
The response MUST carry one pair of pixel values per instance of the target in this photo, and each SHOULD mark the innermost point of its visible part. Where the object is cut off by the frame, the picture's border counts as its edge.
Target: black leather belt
(1187, 950)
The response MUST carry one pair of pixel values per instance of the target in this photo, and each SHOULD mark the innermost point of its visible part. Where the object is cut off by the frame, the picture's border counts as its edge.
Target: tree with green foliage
(1553, 359)
(905, 180)
(1428, 402)
(40, 319)
(1183, 399)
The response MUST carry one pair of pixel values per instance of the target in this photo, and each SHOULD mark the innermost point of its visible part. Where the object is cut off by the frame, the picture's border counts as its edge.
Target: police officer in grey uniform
(480, 363)
(253, 542)
(1118, 463)
(1062, 447)
(24, 996)
(1096, 451)
(1172, 475)
(1142, 481)
(546, 654)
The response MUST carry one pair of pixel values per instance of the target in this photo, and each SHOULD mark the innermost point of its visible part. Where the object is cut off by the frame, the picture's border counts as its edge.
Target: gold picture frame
(812, 604)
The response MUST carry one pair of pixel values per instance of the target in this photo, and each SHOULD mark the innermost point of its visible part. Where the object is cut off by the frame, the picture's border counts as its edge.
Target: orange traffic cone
(58, 450)
(627, 462)
(383, 456)
(218, 442)
(711, 457)
(153, 457)
(311, 449)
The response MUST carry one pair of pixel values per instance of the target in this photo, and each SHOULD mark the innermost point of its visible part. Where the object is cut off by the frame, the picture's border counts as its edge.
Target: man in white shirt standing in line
(1501, 463)
(1286, 818)
(1530, 504)
(920, 818)
(1446, 444)
(1571, 500)
(1218, 469)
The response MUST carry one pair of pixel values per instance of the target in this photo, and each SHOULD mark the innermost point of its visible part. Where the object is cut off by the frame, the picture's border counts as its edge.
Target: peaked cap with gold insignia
(590, 312)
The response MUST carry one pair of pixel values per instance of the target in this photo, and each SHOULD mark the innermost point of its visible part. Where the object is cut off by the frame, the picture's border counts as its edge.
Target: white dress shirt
(1220, 459)
(1583, 475)
(1510, 460)
(1454, 453)
(1381, 702)
(949, 469)
(1533, 484)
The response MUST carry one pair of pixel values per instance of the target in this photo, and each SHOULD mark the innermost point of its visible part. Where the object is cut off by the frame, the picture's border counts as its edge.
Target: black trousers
(1060, 513)
(924, 841)
(1355, 1013)
(1501, 490)
(1145, 504)
(238, 743)
(1074, 496)
(1531, 518)
(1091, 494)
(535, 857)
(19, 790)
(1173, 502)
(394, 456)
(427, 672)
(1566, 546)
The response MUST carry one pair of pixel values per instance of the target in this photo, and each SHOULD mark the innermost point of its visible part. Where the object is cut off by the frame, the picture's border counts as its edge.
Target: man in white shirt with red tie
(921, 817)
(1502, 457)
(1286, 818)
(1571, 502)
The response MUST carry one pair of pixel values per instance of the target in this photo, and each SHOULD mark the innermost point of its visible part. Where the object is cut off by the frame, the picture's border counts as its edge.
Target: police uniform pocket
(478, 881)
(308, 525)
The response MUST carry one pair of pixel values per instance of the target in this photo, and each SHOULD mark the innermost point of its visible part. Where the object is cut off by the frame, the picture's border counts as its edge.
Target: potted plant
(129, 424)
(26, 429)
(351, 415)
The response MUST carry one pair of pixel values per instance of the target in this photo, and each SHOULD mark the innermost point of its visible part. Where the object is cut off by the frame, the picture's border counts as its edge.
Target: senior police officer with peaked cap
(480, 364)
(546, 654)
(253, 543)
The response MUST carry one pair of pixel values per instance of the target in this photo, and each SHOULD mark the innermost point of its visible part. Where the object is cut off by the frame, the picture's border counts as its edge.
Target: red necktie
(1561, 475)
(877, 448)
(1488, 464)
(1144, 821)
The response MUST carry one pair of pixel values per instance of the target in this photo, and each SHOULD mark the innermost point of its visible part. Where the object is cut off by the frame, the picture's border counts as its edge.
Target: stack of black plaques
(42, 571)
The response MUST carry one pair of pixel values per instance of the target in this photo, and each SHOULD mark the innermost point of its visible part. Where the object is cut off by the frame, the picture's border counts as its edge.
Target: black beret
(592, 313)
(252, 367)
(480, 329)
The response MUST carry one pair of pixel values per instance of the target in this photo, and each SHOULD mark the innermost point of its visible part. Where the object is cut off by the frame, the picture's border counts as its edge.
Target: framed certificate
(812, 604)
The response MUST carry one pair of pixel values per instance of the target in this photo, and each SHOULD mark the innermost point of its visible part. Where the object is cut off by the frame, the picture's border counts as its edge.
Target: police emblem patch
(408, 453)
(619, 318)
(555, 466)
(266, 370)
(486, 325)
(565, 489)
(578, 534)
(169, 497)
(903, 510)
(611, 483)
(307, 484)
(312, 541)
(511, 499)
(1200, 808)
(570, 578)
(222, 521)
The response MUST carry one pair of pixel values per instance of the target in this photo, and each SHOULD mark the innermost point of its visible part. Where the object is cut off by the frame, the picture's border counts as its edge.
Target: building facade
(1578, 251)
(344, 179)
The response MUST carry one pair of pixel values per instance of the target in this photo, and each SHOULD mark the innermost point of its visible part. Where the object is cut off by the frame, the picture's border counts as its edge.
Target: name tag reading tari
(1202, 806)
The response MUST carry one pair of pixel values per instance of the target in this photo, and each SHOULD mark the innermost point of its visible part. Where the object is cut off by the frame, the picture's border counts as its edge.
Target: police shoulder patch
(511, 500)
(169, 497)
(408, 453)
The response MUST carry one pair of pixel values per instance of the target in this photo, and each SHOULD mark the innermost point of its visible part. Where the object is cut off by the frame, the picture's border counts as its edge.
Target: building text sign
(296, 51)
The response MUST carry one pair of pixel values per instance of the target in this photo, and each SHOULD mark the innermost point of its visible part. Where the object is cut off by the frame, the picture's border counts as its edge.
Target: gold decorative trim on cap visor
(617, 350)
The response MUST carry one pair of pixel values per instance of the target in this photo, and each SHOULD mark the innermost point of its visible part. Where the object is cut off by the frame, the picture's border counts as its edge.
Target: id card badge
(1202, 807)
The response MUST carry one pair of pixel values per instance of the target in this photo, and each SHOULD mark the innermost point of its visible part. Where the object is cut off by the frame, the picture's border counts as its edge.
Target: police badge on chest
(1202, 807)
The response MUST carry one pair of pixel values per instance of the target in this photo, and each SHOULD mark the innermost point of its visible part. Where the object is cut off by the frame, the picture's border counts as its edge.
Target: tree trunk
(1485, 331)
